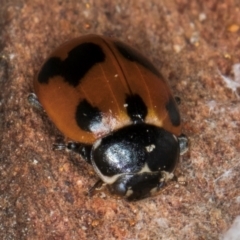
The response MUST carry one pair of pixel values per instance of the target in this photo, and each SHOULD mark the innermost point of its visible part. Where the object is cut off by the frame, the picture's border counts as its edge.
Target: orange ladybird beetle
(119, 111)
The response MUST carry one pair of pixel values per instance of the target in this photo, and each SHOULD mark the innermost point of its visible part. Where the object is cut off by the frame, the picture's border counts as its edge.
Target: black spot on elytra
(78, 62)
(134, 56)
(51, 68)
(173, 112)
(88, 117)
(136, 108)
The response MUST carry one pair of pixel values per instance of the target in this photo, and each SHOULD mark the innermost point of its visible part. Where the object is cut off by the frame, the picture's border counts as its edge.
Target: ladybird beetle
(119, 111)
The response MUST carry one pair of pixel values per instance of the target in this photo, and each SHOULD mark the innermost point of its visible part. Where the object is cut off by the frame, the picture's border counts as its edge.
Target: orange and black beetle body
(116, 106)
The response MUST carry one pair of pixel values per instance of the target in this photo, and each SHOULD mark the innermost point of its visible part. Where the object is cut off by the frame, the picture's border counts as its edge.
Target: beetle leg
(82, 149)
(98, 186)
(178, 100)
(183, 143)
(33, 100)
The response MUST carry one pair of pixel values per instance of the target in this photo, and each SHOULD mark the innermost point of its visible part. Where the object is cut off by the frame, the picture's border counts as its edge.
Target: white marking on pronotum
(97, 144)
(129, 192)
(150, 148)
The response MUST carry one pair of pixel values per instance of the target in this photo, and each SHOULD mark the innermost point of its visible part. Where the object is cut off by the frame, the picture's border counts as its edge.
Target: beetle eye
(118, 188)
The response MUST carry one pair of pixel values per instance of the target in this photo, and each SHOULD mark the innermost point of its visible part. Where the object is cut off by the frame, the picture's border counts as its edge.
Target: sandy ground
(196, 46)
